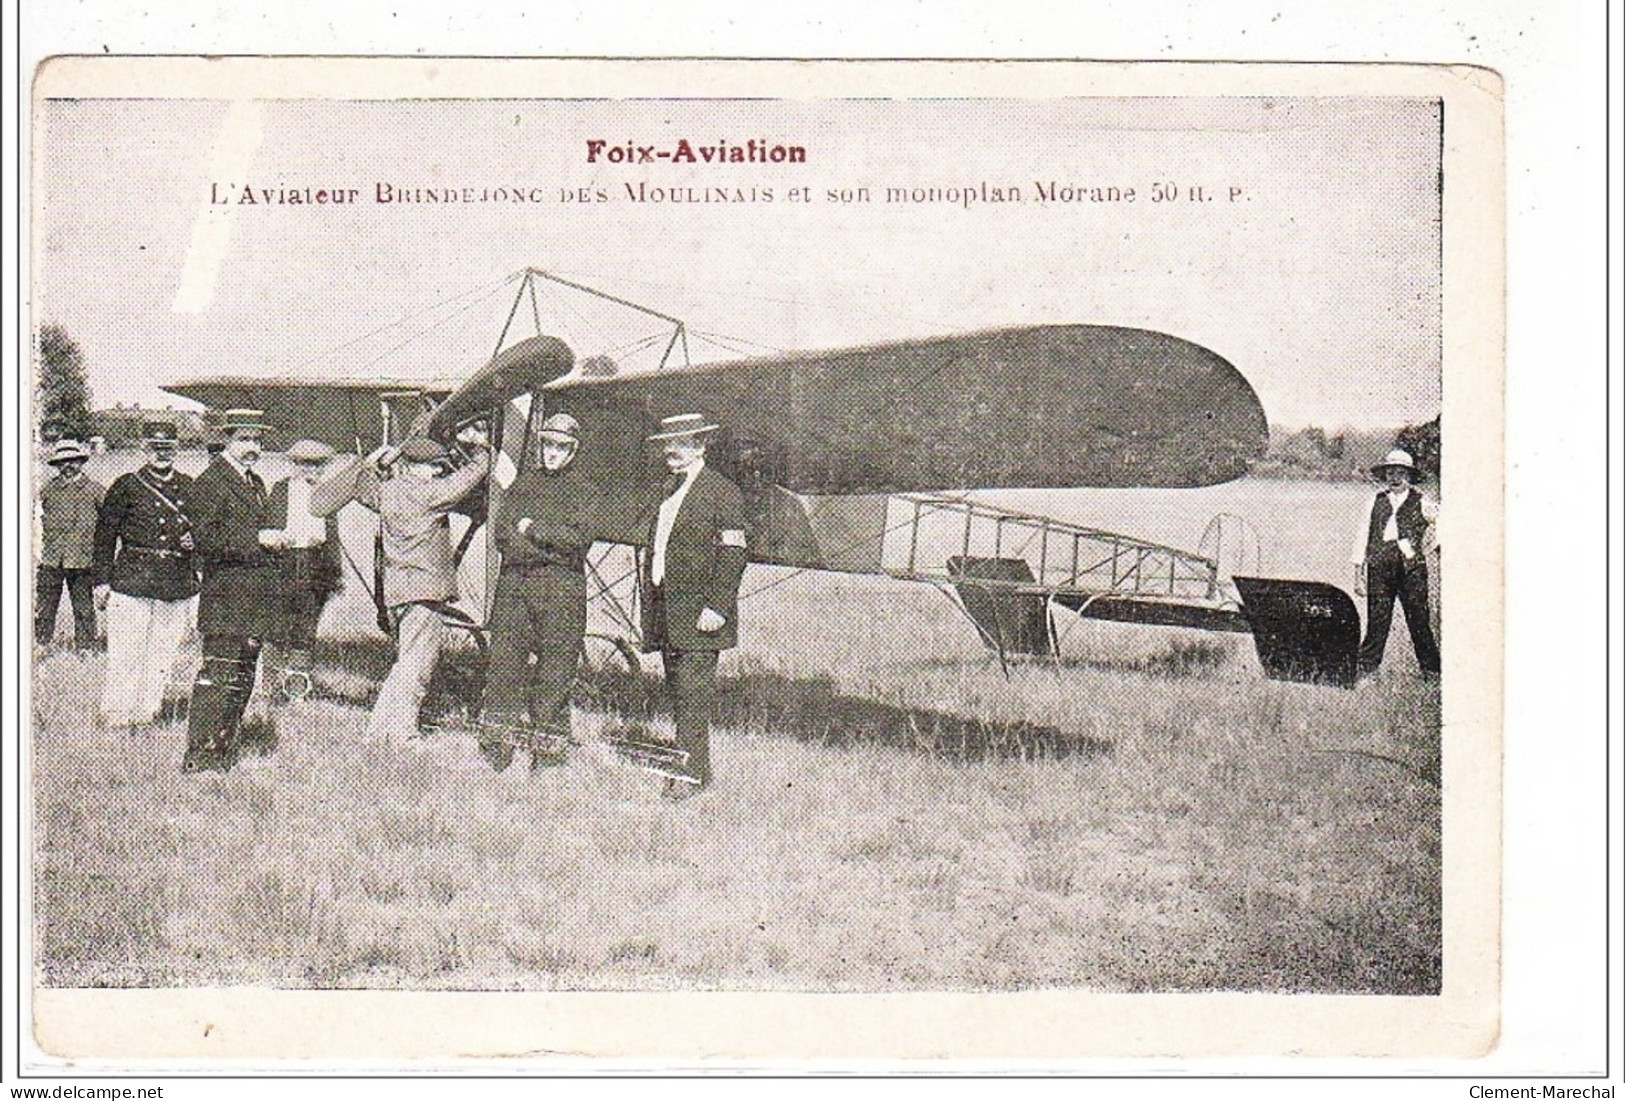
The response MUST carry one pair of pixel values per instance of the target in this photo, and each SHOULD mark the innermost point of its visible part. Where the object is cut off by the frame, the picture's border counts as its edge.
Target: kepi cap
(683, 424)
(158, 433)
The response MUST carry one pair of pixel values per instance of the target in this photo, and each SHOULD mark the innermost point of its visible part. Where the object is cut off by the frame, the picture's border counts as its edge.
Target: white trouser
(143, 638)
(419, 632)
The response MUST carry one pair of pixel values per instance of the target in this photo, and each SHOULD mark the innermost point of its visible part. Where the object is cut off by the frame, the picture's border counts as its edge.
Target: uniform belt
(156, 552)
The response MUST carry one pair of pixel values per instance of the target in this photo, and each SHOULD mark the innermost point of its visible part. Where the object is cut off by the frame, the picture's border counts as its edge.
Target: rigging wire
(823, 307)
(482, 291)
(736, 345)
(635, 346)
(797, 571)
(421, 333)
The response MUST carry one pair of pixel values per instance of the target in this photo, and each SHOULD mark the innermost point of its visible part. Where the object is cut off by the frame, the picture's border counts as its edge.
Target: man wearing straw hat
(240, 605)
(1390, 563)
(146, 579)
(312, 570)
(544, 529)
(689, 578)
(68, 503)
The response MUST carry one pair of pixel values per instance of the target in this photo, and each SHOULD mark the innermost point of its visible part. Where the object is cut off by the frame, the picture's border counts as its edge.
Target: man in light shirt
(1390, 563)
(414, 502)
(690, 586)
(309, 560)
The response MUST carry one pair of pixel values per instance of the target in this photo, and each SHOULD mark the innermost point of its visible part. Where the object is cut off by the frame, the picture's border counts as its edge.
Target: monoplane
(868, 460)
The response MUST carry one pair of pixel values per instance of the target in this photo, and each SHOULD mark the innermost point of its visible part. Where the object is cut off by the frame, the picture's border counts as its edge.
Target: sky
(1310, 262)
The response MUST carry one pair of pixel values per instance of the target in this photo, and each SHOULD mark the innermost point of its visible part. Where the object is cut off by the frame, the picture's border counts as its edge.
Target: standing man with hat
(311, 568)
(1390, 563)
(544, 528)
(689, 579)
(420, 569)
(145, 578)
(240, 604)
(68, 503)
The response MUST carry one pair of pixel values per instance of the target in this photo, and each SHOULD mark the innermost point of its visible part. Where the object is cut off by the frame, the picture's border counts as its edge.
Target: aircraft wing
(1046, 407)
(346, 414)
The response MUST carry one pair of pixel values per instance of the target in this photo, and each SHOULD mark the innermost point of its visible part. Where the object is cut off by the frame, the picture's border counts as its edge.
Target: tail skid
(1304, 631)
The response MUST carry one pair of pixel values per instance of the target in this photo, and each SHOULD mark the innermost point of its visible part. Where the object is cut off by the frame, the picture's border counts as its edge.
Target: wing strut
(527, 289)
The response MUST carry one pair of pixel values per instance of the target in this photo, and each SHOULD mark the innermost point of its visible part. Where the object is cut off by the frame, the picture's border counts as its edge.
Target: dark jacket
(320, 568)
(242, 587)
(1410, 521)
(705, 558)
(561, 509)
(140, 548)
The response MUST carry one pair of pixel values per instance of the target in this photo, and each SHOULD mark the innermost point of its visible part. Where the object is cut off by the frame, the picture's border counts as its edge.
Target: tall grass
(1148, 814)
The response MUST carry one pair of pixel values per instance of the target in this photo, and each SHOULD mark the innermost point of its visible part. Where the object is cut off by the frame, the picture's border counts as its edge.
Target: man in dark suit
(241, 600)
(146, 580)
(544, 528)
(689, 577)
(311, 567)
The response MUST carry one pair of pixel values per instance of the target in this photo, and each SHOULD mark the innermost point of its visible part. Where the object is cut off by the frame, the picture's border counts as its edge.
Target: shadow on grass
(814, 710)
(811, 710)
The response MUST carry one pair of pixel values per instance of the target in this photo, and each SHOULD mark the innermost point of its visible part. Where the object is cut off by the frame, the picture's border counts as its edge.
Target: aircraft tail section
(1304, 630)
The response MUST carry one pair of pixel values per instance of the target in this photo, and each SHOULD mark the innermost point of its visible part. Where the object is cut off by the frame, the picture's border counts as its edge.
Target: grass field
(1152, 815)
(891, 812)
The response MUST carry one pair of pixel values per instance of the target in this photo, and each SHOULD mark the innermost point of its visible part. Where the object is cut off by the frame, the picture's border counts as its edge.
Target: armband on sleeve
(731, 537)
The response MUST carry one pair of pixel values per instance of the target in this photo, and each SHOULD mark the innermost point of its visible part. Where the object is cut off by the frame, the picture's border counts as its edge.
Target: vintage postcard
(687, 562)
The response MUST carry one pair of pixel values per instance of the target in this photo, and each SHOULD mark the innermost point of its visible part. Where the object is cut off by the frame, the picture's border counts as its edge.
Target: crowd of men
(255, 565)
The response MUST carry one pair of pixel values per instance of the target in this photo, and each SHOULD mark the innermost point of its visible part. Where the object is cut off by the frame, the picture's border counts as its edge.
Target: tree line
(63, 400)
(1313, 452)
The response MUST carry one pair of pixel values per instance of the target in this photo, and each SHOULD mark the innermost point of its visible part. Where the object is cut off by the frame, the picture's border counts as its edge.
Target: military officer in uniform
(544, 529)
(241, 602)
(310, 563)
(67, 520)
(689, 577)
(145, 579)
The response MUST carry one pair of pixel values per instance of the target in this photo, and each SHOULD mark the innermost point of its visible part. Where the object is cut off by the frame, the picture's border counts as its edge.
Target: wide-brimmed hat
(561, 427)
(683, 424)
(235, 419)
(68, 451)
(160, 434)
(310, 451)
(1399, 459)
(421, 449)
